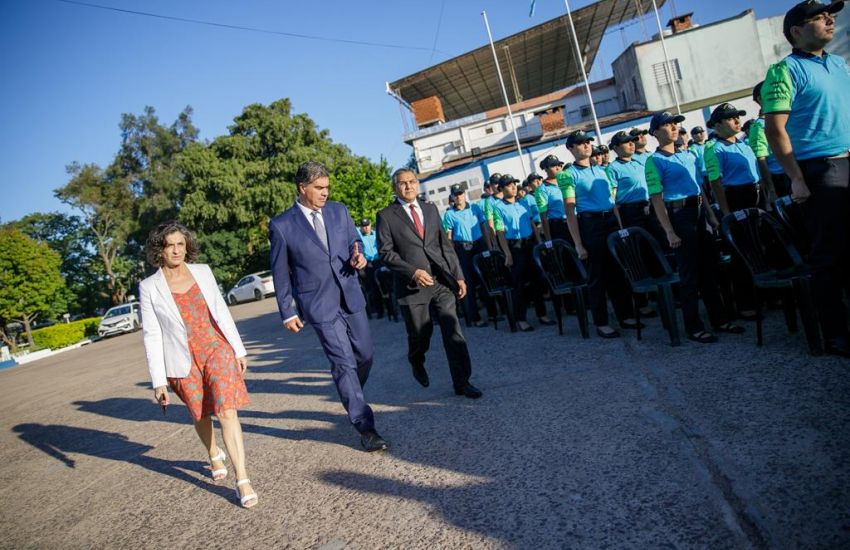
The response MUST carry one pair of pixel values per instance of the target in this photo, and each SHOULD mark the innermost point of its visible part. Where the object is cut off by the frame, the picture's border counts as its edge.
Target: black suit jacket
(403, 252)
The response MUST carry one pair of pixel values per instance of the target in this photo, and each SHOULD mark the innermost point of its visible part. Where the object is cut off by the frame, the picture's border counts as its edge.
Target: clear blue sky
(67, 72)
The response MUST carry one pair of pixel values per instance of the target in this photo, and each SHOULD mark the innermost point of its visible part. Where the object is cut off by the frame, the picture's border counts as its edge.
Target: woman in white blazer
(192, 345)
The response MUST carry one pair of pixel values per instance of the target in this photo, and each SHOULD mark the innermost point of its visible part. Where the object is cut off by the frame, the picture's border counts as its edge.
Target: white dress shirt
(418, 209)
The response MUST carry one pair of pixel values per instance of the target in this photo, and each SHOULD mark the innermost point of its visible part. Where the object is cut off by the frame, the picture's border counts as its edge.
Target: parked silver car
(120, 319)
(255, 286)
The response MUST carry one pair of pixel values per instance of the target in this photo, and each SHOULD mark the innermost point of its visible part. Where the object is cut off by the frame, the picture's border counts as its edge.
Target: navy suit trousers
(348, 346)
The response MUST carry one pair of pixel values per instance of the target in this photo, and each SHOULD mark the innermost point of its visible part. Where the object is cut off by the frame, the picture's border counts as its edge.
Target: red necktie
(417, 222)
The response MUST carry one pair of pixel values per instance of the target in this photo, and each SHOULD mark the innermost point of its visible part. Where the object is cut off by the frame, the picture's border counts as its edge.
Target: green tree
(234, 185)
(363, 186)
(107, 203)
(69, 236)
(29, 276)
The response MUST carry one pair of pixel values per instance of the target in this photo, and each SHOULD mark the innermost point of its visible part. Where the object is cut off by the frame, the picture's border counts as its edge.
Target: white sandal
(248, 500)
(221, 473)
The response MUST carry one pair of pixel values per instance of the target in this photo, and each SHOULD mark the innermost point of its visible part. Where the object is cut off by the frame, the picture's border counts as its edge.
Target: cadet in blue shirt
(589, 198)
(374, 300)
(807, 111)
(641, 154)
(550, 203)
(532, 182)
(773, 178)
(697, 149)
(733, 172)
(521, 238)
(678, 200)
(465, 226)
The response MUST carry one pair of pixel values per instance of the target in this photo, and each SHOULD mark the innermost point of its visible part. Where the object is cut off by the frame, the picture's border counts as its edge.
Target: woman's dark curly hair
(156, 242)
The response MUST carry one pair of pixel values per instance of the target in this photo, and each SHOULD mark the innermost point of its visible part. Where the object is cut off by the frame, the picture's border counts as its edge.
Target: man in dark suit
(315, 252)
(412, 243)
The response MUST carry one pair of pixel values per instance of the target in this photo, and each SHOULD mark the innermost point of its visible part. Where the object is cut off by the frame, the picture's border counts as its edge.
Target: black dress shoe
(480, 324)
(421, 375)
(372, 442)
(546, 322)
(612, 334)
(631, 325)
(469, 391)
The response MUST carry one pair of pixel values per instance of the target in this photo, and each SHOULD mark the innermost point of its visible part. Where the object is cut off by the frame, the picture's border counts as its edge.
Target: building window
(661, 78)
(635, 87)
(585, 111)
(441, 190)
(488, 130)
(431, 192)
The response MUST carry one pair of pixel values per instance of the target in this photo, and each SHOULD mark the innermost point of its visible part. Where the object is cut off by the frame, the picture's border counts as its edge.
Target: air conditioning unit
(457, 144)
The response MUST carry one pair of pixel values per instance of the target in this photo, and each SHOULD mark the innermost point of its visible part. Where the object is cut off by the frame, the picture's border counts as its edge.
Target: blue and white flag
(531, 10)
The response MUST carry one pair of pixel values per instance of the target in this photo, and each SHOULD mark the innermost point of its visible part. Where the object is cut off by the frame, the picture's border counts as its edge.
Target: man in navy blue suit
(315, 255)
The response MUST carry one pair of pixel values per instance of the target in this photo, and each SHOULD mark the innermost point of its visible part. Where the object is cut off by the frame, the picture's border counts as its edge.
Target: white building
(711, 64)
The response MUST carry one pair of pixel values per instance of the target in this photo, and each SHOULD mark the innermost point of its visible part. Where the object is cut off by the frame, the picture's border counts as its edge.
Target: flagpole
(580, 61)
(505, 96)
(667, 67)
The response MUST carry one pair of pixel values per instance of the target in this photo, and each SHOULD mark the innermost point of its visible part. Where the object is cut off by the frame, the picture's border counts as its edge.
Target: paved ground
(587, 444)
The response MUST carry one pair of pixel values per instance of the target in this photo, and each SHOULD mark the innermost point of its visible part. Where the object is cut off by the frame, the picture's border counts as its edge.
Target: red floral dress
(214, 382)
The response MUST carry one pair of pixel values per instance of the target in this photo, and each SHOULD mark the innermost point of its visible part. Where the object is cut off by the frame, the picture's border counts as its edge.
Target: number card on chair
(623, 233)
(740, 215)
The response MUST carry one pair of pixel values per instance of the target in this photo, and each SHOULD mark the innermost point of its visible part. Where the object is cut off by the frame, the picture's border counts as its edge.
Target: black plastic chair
(565, 273)
(497, 281)
(791, 215)
(384, 280)
(647, 270)
(774, 262)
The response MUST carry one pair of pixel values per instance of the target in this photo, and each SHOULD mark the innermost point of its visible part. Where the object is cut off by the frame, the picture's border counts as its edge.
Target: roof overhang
(534, 62)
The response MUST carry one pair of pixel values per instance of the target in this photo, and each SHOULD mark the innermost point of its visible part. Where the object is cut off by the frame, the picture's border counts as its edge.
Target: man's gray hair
(400, 171)
(309, 172)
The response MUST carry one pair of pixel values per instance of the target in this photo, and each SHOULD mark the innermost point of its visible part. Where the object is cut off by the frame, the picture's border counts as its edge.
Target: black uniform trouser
(697, 261)
(605, 276)
(466, 250)
(558, 229)
(526, 277)
(373, 293)
(417, 321)
(826, 214)
(739, 197)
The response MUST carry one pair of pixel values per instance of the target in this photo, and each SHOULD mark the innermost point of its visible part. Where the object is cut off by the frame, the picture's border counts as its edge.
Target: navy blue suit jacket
(322, 282)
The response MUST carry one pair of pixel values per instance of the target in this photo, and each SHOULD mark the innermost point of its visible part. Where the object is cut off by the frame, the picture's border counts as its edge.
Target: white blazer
(166, 343)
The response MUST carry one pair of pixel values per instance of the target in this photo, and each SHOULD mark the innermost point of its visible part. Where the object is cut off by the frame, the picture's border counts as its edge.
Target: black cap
(531, 177)
(662, 118)
(746, 127)
(697, 129)
(635, 132)
(457, 189)
(683, 131)
(506, 180)
(578, 137)
(550, 161)
(600, 150)
(799, 14)
(622, 137)
(494, 179)
(724, 111)
(364, 222)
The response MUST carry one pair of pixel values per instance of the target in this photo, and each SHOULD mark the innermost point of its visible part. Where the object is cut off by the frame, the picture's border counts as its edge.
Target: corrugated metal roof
(534, 62)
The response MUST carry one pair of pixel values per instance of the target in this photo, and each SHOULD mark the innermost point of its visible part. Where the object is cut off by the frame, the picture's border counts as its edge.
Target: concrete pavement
(585, 444)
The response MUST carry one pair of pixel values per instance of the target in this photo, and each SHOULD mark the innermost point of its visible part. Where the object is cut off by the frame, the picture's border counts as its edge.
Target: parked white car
(120, 319)
(255, 286)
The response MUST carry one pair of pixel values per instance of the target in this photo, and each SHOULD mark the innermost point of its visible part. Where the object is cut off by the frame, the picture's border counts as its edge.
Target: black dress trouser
(826, 214)
(417, 321)
(605, 276)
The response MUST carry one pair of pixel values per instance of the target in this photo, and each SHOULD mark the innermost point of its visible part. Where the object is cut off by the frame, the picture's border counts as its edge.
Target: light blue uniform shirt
(630, 180)
(517, 219)
(814, 91)
(589, 186)
(550, 200)
(370, 245)
(465, 224)
(698, 150)
(640, 158)
(732, 163)
(530, 203)
(675, 176)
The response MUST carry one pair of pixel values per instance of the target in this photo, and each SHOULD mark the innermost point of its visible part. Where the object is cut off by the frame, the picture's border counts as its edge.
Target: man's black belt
(517, 243)
(466, 245)
(600, 214)
(696, 200)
